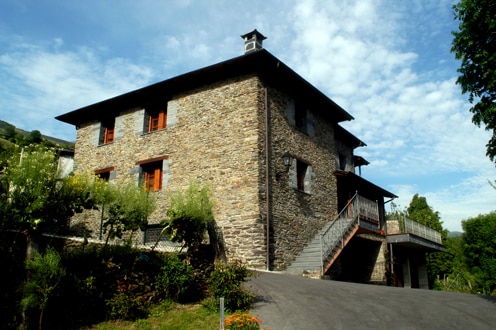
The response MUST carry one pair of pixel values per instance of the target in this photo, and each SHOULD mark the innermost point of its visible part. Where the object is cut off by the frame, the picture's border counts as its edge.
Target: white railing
(413, 227)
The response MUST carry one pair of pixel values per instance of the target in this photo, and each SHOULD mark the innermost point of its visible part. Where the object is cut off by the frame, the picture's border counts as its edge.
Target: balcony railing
(360, 207)
(357, 208)
(407, 225)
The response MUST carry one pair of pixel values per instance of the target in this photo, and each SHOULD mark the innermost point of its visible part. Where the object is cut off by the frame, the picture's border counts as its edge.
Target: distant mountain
(454, 234)
(7, 130)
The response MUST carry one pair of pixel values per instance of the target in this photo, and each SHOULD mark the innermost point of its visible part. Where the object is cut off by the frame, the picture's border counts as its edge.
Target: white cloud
(386, 62)
(43, 83)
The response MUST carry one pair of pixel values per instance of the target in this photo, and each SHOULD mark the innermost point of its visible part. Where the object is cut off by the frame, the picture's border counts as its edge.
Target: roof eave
(261, 62)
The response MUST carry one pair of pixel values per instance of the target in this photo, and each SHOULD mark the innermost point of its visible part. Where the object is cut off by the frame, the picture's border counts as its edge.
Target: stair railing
(338, 228)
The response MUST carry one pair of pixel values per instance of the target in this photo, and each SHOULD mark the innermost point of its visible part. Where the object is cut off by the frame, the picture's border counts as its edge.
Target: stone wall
(217, 134)
(214, 138)
(297, 215)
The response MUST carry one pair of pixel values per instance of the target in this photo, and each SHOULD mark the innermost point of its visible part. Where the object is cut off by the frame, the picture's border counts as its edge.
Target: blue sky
(387, 62)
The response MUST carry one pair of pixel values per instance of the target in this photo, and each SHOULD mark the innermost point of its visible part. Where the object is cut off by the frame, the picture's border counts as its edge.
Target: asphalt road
(291, 302)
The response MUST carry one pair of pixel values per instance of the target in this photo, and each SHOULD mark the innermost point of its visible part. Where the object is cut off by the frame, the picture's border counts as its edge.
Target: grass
(169, 316)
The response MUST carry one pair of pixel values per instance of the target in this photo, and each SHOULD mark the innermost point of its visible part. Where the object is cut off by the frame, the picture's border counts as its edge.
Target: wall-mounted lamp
(287, 159)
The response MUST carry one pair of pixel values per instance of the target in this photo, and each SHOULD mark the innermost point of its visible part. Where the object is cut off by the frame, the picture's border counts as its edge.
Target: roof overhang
(360, 161)
(261, 63)
(364, 187)
(347, 138)
(412, 241)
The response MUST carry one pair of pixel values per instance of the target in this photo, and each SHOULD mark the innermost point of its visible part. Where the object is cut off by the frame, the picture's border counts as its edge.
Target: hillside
(9, 134)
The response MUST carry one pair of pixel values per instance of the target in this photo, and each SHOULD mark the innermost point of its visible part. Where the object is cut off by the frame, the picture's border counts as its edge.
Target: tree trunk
(217, 242)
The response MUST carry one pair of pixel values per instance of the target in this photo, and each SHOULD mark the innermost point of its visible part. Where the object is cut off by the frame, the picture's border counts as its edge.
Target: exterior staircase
(320, 253)
(333, 238)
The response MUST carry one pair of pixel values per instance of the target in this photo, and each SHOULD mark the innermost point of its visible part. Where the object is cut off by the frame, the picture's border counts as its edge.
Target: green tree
(447, 264)
(10, 132)
(188, 215)
(128, 207)
(34, 137)
(35, 197)
(46, 272)
(474, 44)
(479, 250)
(420, 211)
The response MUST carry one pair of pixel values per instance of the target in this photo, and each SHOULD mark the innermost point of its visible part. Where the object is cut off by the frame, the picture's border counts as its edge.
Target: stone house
(230, 124)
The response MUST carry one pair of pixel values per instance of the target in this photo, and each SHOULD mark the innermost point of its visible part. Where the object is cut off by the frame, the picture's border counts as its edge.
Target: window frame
(155, 118)
(301, 173)
(104, 173)
(107, 131)
(152, 169)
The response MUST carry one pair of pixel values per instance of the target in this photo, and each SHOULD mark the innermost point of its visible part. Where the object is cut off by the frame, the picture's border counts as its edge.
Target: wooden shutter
(109, 135)
(157, 179)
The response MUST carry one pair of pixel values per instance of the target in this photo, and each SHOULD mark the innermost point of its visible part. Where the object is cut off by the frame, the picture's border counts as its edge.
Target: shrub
(226, 281)
(188, 216)
(175, 277)
(45, 273)
(124, 305)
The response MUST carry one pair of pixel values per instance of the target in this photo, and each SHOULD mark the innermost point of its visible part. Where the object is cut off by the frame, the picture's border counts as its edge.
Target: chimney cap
(253, 41)
(253, 34)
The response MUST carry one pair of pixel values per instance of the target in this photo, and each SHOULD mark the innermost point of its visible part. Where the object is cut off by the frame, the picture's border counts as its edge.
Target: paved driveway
(290, 302)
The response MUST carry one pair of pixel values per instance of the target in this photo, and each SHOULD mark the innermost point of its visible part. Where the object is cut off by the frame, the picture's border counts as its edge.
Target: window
(342, 162)
(300, 117)
(303, 118)
(152, 175)
(301, 176)
(109, 135)
(107, 131)
(105, 173)
(301, 171)
(156, 118)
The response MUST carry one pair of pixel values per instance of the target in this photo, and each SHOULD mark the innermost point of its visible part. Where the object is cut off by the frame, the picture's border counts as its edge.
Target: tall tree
(474, 44)
(479, 250)
(421, 212)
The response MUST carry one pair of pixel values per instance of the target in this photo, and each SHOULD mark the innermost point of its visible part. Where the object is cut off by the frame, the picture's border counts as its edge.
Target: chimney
(253, 41)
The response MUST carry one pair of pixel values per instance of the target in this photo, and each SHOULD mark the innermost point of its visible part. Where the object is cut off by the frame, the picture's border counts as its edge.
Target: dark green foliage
(125, 306)
(120, 282)
(175, 277)
(474, 44)
(12, 252)
(10, 132)
(444, 264)
(113, 282)
(34, 137)
(421, 212)
(45, 273)
(226, 281)
(479, 249)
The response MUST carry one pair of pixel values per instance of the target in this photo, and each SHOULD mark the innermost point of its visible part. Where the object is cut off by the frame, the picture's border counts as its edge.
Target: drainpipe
(267, 178)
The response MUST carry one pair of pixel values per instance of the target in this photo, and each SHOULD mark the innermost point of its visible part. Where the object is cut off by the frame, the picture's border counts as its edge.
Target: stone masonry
(217, 134)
